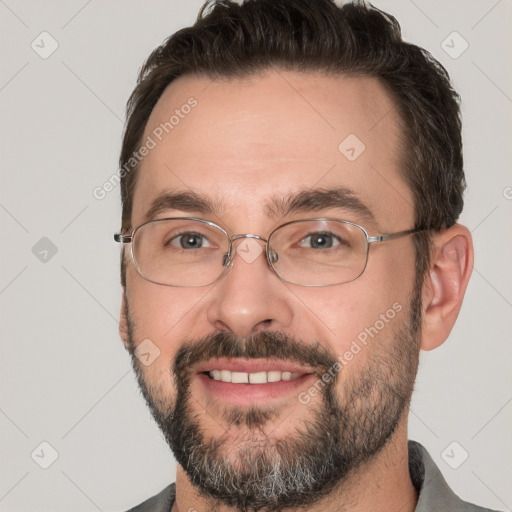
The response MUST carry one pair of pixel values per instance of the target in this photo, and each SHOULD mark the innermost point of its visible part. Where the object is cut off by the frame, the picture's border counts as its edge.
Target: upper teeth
(252, 378)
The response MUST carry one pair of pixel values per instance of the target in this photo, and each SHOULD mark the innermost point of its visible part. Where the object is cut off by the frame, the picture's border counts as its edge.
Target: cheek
(162, 313)
(163, 317)
(358, 324)
(160, 382)
(371, 308)
(390, 272)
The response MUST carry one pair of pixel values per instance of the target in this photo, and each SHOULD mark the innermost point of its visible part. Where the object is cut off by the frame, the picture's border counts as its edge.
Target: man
(291, 180)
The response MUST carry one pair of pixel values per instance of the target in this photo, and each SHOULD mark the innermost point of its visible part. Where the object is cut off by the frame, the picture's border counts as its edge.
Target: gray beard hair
(276, 474)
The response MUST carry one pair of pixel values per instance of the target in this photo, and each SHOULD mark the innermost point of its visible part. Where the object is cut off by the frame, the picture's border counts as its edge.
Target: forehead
(241, 141)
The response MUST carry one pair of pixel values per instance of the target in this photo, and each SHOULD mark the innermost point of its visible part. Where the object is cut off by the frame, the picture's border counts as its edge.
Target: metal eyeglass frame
(228, 258)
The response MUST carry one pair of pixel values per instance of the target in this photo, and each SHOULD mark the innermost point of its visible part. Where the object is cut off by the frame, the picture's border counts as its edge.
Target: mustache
(265, 345)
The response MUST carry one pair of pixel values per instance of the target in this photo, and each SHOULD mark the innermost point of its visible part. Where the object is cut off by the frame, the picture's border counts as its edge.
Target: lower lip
(248, 394)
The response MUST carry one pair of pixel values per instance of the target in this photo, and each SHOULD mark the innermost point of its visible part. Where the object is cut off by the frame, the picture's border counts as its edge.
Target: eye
(189, 241)
(320, 240)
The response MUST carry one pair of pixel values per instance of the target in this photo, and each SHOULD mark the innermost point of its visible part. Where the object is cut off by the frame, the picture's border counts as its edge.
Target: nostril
(263, 325)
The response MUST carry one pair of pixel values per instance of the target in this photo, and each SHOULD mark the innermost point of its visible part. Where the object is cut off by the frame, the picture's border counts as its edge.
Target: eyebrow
(183, 201)
(319, 199)
(277, 206)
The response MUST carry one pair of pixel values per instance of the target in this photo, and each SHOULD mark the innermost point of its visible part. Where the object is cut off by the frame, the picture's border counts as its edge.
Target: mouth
(249, 381)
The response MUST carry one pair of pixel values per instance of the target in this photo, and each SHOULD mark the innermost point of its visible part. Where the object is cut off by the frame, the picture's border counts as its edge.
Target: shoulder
(161, 502)
(434, 492)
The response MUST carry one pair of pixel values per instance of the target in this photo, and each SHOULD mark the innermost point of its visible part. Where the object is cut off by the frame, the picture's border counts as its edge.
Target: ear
(445, 284)
(123, 321)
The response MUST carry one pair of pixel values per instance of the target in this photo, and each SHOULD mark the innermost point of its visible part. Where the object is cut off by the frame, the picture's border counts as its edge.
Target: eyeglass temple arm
(122, 239)
(391, 236)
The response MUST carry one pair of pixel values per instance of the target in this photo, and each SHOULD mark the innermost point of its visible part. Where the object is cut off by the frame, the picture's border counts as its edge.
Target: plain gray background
(65, 377)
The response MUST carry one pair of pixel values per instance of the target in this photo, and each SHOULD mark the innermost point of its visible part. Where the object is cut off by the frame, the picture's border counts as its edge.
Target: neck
(382, 484)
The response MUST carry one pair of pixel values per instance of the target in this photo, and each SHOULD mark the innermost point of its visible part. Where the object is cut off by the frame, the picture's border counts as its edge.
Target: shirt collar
(434, 492)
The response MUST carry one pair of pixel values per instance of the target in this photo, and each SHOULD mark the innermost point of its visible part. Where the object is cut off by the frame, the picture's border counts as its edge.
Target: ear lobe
(123, 321)
(445, 285)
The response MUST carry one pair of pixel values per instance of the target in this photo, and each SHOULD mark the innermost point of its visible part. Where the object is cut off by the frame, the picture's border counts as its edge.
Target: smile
(252, 378)
(241, 381)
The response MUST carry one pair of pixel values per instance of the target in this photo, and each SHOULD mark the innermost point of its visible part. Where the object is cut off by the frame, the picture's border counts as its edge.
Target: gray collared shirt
(434, 493)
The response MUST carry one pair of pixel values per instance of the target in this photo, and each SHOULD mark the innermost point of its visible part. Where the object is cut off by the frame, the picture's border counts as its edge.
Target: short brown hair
(233, 39)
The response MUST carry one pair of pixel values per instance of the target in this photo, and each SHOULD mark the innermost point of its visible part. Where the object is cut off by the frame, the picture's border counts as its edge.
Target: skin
(278, 133)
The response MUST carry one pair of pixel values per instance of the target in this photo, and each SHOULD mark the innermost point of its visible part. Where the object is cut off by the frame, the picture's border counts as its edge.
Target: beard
(354, 418)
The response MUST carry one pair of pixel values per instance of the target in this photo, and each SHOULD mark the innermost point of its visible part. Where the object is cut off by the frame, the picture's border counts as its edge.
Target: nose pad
(273, 256)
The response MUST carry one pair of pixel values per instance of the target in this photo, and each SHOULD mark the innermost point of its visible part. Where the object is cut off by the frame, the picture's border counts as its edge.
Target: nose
(249, 297)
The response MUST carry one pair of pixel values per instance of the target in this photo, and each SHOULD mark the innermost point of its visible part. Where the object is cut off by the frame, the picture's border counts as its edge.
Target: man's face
(247, 147)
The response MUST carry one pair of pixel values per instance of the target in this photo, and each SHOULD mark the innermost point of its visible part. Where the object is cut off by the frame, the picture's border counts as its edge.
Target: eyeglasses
(191, 252)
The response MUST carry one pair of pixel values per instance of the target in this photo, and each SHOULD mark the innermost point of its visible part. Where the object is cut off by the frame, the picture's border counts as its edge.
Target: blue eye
(190, 241)
(319, 240)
